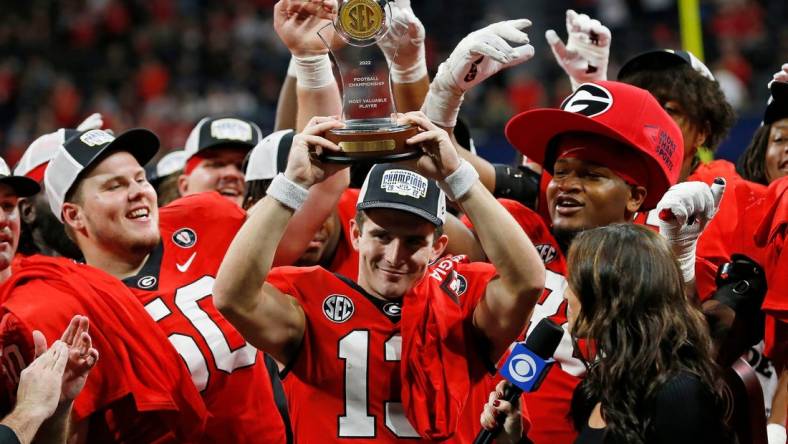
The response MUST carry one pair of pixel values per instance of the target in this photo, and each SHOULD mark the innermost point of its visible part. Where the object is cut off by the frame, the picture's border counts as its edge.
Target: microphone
(526, 368)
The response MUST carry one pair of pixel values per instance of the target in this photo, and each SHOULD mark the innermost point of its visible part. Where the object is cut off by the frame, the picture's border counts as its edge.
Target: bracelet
(313, 72)
(457, 184)
(287, 192)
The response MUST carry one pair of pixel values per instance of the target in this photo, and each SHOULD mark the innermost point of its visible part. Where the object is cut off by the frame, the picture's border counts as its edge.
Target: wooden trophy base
(376, 145)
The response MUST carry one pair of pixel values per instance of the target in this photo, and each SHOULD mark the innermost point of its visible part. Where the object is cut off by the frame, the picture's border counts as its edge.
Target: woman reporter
(651, 377)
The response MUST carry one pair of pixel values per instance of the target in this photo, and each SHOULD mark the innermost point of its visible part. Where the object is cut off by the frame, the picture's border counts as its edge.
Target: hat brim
(778, 108)
(402, 207)
(651, 60)
(532, 133)
(22, 186)
(139, 142)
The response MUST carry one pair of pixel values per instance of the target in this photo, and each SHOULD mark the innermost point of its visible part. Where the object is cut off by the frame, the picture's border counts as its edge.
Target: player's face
(694, 137)
(585, 195)
(323, 243)
(118, 206)
(9, 226)
(776, 158)
(219, 170)
(394, 249)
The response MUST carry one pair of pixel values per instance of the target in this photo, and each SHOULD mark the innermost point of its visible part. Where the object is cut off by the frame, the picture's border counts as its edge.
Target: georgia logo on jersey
(392, 309)
(589, 100)
(338, 308)
(184, 238)
(146, 282)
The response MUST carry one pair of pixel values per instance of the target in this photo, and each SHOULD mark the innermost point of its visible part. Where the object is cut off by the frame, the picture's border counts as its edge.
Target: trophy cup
(371, 132)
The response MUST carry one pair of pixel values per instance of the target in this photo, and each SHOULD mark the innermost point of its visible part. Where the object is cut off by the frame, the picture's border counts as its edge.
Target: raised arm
(297, 23)
(503, 312)
(585, 55)
(269, 319)
(403, 46)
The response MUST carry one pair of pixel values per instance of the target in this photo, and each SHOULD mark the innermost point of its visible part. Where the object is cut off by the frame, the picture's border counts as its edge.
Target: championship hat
(222, 132)
(36, 157)
(269, 157)
(170, 163)
(392, 186)
(660, 59)
(86, 149)
(22, 186)
(777, 107)
(624, 113)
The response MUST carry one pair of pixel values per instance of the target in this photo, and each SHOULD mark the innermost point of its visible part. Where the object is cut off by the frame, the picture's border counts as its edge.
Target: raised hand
(297, 22)
(81, 357)
(684, 212)
(403, 44)
(780, 76)
(440, 158)
(478, 56)
(585, 56)
(304, 166)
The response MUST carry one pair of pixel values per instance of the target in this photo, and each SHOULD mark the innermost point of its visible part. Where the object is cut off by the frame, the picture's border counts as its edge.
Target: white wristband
(291, 68)
(313, 72)
(458, 183)
(776, 433)
(287, 192)
(409, 74)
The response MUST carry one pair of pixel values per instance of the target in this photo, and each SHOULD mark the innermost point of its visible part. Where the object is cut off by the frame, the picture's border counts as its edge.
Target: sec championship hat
(84, 150)
(36, 157)
(618, 111)
(22, 186)
(392, 186)
(222, 132)
(269, 157)
(660, 59)
(777, 108)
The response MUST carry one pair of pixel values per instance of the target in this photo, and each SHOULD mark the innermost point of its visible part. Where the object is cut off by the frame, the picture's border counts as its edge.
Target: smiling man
(215, 152)
(97, 185)
(364, 356)
(11, 189)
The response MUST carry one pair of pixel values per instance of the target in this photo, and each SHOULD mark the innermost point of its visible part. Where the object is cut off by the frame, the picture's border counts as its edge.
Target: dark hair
(752, 162)
(642, 327)
(255, 190)
(702, 99)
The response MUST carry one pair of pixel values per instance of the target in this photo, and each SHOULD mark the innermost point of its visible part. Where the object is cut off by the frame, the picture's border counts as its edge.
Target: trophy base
(374, 145)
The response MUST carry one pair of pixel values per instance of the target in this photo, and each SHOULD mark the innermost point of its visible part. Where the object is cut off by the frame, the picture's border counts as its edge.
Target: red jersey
(772, 234)
(138, 391)
(175, 285)
(344, 384)
(345, 260)
(546, 409)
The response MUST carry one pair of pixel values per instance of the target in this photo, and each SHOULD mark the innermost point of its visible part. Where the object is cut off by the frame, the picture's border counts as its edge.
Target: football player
(342, 340)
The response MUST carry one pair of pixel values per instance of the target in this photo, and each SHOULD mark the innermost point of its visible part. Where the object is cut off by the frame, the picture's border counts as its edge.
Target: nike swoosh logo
(187, 264)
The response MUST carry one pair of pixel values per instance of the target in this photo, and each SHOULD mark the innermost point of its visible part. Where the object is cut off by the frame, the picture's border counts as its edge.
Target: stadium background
(163, 64)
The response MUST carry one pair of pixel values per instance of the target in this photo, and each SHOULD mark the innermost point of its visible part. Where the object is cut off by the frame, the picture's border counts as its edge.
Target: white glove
(478, 56)
(684, 211)
(780, 76)
(775, 433)
(94, 121)
(585, 56)
(403, 44)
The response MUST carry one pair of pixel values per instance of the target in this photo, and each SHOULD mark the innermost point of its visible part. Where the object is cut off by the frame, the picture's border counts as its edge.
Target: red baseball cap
(615, 110)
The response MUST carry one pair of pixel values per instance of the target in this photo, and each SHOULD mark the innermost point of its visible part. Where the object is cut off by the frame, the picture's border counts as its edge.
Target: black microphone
(526, 368)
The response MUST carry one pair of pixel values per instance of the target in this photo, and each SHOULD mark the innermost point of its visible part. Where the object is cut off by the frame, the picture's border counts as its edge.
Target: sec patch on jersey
(338, 308)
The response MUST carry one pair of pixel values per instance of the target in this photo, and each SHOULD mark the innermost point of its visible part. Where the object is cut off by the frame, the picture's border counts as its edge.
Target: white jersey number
(226, 360)
(357, 422)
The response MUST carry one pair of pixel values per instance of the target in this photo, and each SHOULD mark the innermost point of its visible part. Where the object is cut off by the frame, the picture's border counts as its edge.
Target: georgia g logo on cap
(589, 100)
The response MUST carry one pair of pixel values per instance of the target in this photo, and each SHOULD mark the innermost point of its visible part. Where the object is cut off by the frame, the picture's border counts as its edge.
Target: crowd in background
(164, 64)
